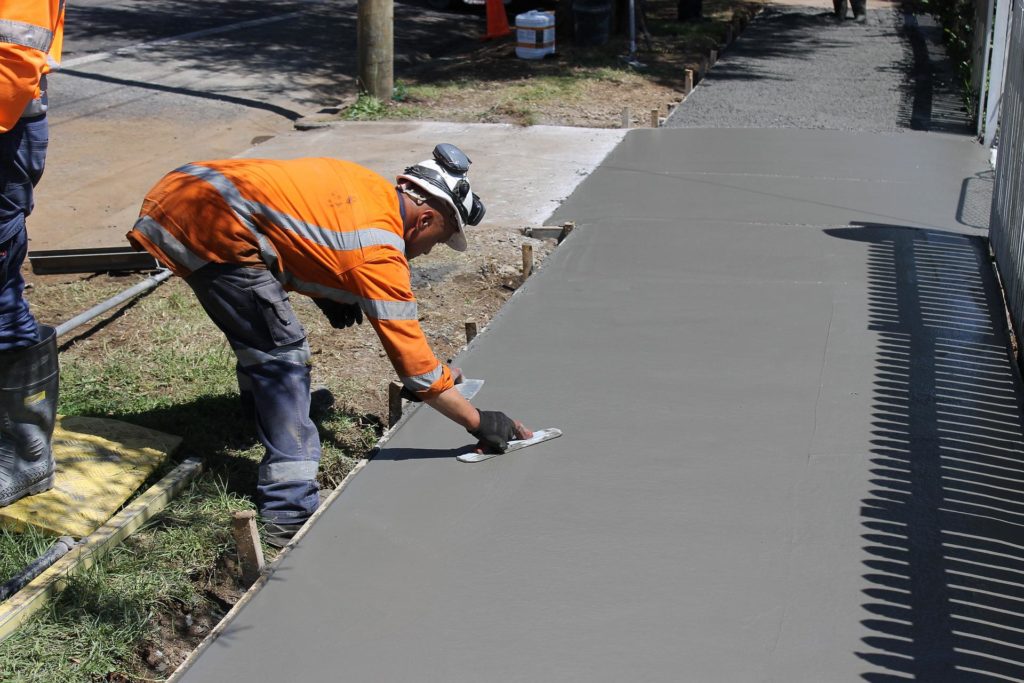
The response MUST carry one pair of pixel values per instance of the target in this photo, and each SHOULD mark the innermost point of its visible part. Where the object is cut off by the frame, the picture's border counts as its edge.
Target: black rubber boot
(840, 9)
(29, 380)
(860, 10)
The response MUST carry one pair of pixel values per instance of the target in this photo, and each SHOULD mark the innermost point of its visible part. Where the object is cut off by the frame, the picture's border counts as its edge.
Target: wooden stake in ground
(375, 23)
(250, 552)
(627, 117)
(688, 82)
(567, 228)
(654, 118)
(527, 261)
(394, 403)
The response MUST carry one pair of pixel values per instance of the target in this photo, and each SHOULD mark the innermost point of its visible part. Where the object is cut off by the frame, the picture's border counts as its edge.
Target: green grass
(97, 624)
(162, 365)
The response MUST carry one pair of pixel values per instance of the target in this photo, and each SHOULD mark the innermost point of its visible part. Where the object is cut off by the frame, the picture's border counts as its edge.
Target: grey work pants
(251, 308)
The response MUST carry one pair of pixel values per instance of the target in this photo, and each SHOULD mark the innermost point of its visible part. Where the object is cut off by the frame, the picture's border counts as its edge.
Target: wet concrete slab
(790, 453)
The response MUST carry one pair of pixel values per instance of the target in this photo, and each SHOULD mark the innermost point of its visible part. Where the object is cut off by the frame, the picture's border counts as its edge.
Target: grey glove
(496, 430)
(340, 315)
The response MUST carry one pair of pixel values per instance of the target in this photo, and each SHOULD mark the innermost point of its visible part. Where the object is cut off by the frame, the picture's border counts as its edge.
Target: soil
(452, 289)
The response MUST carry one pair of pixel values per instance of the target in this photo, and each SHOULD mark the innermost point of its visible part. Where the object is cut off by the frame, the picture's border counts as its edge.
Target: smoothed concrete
(792, 450)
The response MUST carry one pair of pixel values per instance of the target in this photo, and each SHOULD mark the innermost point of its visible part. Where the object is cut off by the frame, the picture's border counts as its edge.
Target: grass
(162, 365)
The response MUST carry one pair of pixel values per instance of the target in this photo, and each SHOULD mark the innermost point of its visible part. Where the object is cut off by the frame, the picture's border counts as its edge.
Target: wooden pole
(688, 82)
(394, 403)
(627, 117)
(375, 25)
(470, 331)
(654, 118)
(527, 261)
(247, 539)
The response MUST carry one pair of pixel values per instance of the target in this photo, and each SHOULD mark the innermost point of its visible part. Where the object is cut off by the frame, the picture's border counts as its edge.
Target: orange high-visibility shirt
(326, 228)
(30, 47)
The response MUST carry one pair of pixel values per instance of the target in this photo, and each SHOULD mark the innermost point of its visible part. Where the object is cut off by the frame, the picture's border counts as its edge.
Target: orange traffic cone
(497, 21)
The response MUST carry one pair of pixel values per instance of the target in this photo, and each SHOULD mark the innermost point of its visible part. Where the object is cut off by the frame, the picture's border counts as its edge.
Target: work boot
(840, 9)
(29, 380)
(860, 10)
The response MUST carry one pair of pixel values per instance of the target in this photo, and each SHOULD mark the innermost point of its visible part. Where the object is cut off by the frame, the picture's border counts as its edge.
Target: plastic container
(535, 34)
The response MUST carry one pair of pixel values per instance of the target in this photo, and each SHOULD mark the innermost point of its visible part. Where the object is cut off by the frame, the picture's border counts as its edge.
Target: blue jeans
(22, 158)
(251, 308)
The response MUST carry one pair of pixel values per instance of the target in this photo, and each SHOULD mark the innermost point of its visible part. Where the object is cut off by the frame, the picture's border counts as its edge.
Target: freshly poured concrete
(792, 446)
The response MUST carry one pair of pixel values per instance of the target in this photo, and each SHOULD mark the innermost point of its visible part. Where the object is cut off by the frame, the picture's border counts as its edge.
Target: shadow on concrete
(974, 207)
(931, 99)
(943, 524)
(395, 454)
(242, 101)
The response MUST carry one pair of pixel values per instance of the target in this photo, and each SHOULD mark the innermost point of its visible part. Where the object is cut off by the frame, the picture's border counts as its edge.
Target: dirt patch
(576, 86)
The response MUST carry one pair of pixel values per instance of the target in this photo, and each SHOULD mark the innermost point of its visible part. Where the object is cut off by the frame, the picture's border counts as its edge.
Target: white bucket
(535, 34)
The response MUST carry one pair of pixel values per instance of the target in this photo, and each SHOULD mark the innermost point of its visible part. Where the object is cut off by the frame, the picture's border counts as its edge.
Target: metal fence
(1007, 220)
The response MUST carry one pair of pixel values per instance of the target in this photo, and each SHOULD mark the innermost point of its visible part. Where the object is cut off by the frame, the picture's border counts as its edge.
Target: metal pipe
(38, 566)
(84, 317)
(632, 30)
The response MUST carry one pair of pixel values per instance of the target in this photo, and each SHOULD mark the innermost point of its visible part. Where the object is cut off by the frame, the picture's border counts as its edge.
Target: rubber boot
(840, 9)
(29, 380)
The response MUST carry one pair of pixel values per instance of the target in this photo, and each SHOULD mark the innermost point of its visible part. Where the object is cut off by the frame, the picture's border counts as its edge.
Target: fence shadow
(943, 524)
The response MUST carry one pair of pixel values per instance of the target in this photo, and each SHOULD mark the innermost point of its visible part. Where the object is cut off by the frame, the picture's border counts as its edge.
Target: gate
(1007, 219)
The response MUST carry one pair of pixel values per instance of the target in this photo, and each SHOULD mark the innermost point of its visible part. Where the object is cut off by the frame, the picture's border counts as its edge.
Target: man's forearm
(455, 407)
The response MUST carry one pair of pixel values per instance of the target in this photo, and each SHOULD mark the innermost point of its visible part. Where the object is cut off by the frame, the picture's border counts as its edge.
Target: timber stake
(527, 261)
(394, 403)
(247, 538)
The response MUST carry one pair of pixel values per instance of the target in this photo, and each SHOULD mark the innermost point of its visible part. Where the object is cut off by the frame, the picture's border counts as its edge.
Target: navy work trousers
(22, 158)
(251, 308)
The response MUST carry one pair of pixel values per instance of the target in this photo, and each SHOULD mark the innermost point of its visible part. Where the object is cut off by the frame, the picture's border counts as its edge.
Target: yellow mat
(100, 463)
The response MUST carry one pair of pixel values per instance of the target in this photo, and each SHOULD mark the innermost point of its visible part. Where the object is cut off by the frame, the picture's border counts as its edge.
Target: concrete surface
(521, 173)
(791, 446)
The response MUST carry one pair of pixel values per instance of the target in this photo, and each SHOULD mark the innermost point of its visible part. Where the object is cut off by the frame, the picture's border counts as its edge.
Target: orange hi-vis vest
(31, 37)
(326, 228)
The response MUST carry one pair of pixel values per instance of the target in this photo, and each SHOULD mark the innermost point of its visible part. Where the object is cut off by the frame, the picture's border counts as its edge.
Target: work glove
(496, 430)
(340, 315)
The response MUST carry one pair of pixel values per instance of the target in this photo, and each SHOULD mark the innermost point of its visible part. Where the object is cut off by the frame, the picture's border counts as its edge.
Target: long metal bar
(84, 317)
(37, 567)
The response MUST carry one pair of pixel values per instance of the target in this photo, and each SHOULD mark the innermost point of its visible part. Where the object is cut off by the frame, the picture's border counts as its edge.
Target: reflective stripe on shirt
(379, 309)
(28, 35)
(424, 381)
(169, 244)
(242, 208)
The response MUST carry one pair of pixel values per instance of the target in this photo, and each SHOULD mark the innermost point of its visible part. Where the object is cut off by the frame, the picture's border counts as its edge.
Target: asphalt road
(147, 86)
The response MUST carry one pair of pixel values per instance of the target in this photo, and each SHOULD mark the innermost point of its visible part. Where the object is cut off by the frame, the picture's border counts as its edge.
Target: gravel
(799, 67)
